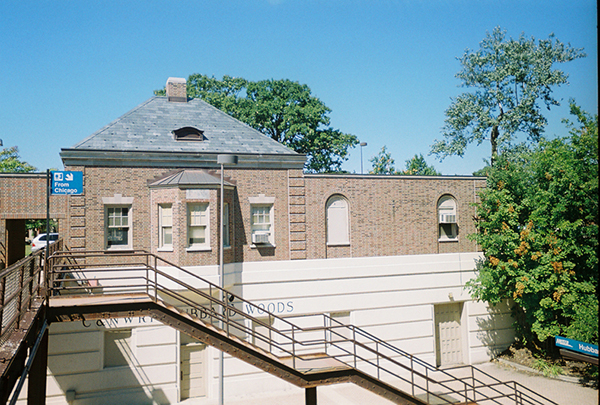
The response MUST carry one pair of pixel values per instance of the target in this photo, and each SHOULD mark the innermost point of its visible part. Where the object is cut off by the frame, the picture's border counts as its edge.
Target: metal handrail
(348, 344)
(20, 285)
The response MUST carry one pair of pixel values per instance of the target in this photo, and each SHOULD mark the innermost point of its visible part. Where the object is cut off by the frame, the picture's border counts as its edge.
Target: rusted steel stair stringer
(232, 345)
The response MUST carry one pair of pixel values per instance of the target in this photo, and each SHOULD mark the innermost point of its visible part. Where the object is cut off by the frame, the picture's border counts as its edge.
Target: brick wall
(86, 228)
(23, 196)
(389, 215)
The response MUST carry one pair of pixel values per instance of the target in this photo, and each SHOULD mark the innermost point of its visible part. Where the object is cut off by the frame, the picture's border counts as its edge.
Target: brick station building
(387, 253)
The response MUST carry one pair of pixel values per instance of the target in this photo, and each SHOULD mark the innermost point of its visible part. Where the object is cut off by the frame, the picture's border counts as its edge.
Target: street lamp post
(362, 144)
(222, 160)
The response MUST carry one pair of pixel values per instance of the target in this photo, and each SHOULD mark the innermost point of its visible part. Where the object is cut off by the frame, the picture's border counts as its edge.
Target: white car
(39, 242)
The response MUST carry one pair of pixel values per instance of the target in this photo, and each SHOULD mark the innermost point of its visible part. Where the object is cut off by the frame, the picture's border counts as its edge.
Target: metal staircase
(307, 351)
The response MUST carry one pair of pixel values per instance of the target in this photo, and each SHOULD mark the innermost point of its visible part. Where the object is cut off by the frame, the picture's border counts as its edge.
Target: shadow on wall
(118, 378)
(239, 232)
(266, 250)
(495, 330)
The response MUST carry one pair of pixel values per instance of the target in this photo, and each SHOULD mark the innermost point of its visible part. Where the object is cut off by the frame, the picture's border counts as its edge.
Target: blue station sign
(70, 183)
(576, 346)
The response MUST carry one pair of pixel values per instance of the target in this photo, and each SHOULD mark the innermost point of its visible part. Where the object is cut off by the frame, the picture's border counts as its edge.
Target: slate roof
(149, 127)
(189, 178)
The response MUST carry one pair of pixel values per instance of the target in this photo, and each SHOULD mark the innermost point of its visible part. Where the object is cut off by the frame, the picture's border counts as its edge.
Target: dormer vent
(188, 134)
(176, 90)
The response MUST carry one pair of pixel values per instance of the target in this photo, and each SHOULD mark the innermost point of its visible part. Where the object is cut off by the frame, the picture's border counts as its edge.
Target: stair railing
(20, 285)
(140, 272)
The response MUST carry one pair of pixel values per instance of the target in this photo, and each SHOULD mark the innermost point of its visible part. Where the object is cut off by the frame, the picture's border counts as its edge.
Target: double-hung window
(262, 220)
(447, 219)
(165, 215)
(262, 224)
(198, 226)
(118, 224)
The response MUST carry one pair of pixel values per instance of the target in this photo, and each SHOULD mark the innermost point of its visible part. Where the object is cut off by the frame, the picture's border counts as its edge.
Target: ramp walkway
(307, 351)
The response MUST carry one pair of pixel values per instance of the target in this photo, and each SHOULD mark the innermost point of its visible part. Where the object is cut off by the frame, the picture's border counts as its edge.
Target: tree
(511, 79)
(383, 163)
(538, 228)
(417, 166)
(284, 110)
(10, 162)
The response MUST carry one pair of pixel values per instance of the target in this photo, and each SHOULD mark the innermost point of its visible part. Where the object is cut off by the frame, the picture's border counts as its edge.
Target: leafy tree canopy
(538, 228)
(511, 79)
(284, 110)
(383, 163)
(10, 162)
(417, 166)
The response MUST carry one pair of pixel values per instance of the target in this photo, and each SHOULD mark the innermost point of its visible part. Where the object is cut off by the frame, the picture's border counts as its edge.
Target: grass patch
(546, 368)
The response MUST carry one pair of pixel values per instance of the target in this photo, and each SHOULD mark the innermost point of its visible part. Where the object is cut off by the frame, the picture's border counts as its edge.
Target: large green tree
(538, 228)
(10, 162)
(284, 110)
(510, 80)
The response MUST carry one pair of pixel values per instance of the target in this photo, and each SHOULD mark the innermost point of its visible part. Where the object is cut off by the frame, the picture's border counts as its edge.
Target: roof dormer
(188, 134)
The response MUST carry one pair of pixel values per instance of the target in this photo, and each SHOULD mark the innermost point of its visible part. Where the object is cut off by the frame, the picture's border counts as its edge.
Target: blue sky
(385, 68)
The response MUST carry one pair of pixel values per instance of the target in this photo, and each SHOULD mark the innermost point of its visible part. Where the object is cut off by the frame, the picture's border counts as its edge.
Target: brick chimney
(176, 90)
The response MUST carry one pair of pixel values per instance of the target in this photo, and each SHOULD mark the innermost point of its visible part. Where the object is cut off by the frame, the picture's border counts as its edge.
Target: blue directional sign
(576, 346)
(67, 183)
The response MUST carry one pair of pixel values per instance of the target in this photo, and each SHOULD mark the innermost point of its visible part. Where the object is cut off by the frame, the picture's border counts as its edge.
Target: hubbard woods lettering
(277, 308)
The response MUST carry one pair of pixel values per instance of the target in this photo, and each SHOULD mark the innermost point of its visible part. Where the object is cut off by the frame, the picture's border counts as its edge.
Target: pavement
(559, 391)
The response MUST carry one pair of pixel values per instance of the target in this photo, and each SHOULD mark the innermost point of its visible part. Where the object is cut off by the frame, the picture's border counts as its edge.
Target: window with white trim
(447, 219)
(165, 225)
(262, 224)
(118, 223)
(198, 226)
(337, 221)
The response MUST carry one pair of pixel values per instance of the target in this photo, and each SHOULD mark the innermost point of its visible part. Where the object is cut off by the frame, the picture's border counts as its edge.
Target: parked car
(39, 242)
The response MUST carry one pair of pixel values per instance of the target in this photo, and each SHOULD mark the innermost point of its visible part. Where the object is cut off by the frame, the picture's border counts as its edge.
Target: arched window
(337, 221)
(447, 218)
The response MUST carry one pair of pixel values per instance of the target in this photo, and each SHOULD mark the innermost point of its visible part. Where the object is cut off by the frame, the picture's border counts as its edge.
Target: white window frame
(447, 231)
(165, 223)
(204, 221)
(108, 226)
(338, 221)
(262, 201)
(264, 226)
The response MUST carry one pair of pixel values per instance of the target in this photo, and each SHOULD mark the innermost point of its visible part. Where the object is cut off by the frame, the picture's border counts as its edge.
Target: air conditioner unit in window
(260, 238)
(447, 219)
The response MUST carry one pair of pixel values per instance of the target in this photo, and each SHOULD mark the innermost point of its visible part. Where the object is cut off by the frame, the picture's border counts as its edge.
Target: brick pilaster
(297, 214)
